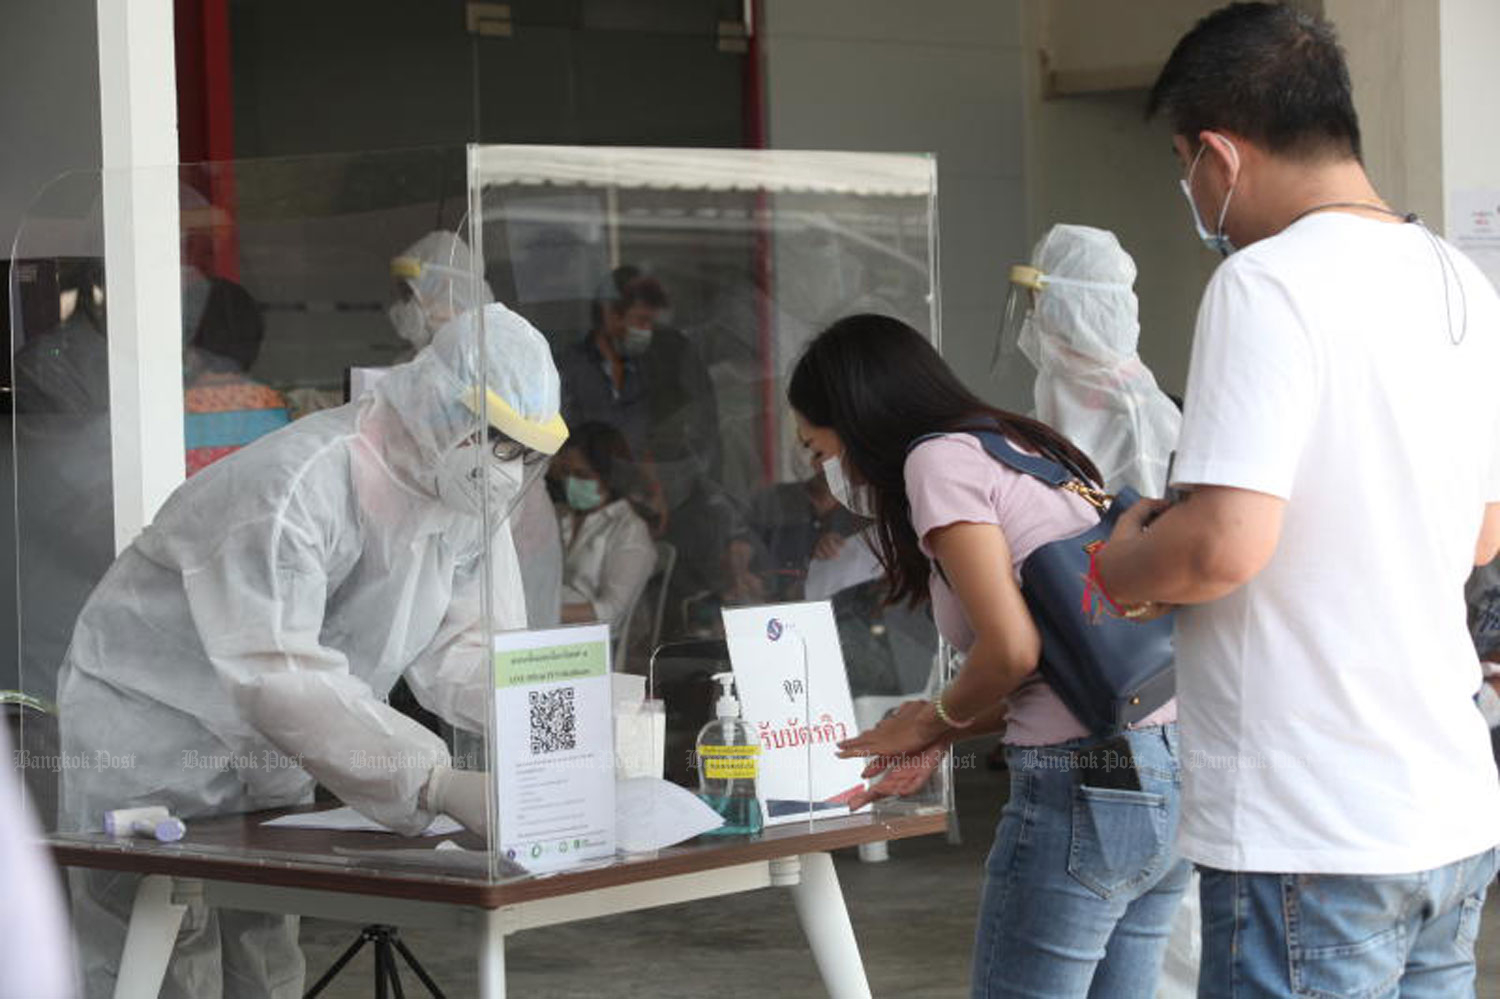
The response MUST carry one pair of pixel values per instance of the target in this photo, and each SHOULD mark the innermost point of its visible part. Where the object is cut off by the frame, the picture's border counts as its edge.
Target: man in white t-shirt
(1340, 448)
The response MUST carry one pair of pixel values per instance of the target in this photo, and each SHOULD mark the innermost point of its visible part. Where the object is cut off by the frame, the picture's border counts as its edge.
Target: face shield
(1026, 284)
(487, 473)
(434, 283)
(481, 407)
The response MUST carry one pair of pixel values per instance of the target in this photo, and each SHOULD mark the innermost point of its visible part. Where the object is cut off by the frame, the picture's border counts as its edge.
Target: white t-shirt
(1327, 714)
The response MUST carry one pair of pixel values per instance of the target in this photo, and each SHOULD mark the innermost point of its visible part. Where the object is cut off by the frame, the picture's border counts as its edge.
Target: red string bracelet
(1093, 584)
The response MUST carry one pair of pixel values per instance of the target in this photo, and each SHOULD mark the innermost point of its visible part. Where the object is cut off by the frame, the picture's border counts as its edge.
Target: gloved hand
(459, 793)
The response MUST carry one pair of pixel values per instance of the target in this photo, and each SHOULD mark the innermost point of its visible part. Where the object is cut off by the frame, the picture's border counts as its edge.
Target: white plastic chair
(666, 562)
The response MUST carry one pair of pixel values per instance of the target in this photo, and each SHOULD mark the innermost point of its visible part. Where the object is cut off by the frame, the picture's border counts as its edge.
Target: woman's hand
(902, 775)
(912, 727)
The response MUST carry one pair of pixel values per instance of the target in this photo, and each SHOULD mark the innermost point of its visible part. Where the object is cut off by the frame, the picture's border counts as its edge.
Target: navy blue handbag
(1110, 671)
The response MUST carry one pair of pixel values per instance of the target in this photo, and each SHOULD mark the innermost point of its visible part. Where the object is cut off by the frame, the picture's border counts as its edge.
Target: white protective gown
(242, 646)
(1091, 385)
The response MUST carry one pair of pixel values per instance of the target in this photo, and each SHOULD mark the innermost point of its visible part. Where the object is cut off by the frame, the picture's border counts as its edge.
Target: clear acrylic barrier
(305, 621)
(311, 620)
(678, 289)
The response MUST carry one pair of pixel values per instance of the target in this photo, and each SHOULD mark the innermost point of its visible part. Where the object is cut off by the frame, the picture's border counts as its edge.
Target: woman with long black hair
(1082, 881)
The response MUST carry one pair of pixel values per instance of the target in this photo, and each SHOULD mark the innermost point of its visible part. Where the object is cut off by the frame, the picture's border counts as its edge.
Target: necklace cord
(1446, 266)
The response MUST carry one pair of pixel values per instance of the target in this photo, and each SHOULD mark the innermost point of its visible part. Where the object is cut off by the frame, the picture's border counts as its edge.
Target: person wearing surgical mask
(605, 375)
(1073, 313)
(607, 550)
(274, 602)
(648, 379)
(434, 281)
(1066, 910)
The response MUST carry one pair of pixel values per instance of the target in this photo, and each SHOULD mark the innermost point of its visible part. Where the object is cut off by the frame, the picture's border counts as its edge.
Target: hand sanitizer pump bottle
(728, 761)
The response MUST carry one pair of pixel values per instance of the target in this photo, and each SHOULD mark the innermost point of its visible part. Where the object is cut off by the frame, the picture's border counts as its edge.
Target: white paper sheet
(653, 814)
(854, 564)
(346, 819)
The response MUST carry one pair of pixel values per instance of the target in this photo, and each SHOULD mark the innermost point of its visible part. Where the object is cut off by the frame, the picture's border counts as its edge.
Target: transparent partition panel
(302, 632)
(677, 289)
(387, 490)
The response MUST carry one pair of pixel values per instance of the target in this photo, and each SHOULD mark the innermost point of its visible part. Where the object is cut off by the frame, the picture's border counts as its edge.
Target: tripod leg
(416, 966)
(338, 966)
(382, 987)
(389, 956)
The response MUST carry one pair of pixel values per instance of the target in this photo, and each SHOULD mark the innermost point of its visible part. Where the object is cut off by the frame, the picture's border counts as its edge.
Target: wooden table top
(238, 848)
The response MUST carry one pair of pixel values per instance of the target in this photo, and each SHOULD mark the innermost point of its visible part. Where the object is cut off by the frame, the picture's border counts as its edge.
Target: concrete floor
(914, 917)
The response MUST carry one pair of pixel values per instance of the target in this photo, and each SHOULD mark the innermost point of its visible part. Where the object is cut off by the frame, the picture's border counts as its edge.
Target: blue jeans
(1082, 882)
(1350, 936)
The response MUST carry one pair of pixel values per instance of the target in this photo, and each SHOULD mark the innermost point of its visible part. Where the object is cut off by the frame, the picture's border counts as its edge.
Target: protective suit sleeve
(628, 564)
(257, 599)
(449, 678)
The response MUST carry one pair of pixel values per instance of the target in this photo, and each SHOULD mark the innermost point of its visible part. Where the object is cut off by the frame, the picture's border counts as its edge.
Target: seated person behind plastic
(224, 408)
(607, 550)
(788, 526)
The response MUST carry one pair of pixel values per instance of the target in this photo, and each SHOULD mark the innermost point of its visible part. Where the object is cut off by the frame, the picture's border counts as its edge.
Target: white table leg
(155, 919)
(492, 954)
(830, 935)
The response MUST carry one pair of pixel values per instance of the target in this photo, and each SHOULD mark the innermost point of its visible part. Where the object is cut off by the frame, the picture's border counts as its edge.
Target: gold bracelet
(944, 717)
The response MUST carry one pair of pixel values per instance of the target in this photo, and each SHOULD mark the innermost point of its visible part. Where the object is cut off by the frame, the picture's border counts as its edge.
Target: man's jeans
(1082, 883)
(1328, 936)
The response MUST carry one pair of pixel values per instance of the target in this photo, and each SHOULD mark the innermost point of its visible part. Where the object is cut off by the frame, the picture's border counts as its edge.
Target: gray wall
(49, 100)
(892, 75)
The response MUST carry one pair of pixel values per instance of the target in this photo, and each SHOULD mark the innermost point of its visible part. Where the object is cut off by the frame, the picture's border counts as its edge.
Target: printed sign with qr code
(554, 720)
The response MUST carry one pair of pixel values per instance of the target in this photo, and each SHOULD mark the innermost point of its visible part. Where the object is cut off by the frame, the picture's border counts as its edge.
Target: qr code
(554, 723)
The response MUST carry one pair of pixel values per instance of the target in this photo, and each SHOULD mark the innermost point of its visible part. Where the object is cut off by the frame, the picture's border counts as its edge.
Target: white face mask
(410, 322)
(458, 482)
(855, 499)
(637, 341)
(1217, 241)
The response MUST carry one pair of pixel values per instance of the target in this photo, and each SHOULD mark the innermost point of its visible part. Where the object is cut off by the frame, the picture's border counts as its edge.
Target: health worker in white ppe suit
(240, 649)
(1074, 315)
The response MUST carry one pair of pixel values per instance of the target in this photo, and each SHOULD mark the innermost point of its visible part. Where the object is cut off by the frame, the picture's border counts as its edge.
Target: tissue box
(640, 729)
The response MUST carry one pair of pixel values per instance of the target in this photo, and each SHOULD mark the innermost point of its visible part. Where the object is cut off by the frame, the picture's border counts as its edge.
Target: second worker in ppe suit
(241, 647)
(1075, 316)
(435, 281)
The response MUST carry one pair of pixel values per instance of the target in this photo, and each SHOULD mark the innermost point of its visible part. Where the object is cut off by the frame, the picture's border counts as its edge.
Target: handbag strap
(1053, 473)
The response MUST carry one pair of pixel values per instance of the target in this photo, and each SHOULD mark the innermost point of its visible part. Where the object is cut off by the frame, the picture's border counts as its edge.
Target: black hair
(627, 286)
(607, 451)
(1267, 71)
(232, 326)
(880, 385)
